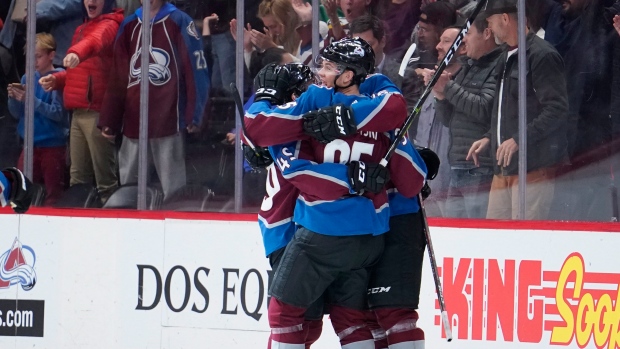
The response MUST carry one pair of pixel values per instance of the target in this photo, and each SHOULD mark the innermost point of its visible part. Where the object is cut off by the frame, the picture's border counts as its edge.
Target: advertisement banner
(86, 282)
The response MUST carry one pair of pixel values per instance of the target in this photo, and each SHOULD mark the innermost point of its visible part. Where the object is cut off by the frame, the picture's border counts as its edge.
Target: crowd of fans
(87, 101)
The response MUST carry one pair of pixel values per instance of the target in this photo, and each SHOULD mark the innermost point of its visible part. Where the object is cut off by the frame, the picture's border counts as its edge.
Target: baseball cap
(439, 13)
(495, 7)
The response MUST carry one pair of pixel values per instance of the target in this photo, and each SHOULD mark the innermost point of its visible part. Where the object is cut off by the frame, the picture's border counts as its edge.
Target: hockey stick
(237, 98)
(431, 255)
(427, 91)
(406, 59)
(401, 134)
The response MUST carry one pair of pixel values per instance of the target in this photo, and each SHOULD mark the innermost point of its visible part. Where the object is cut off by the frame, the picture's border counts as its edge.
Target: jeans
(223, 51)
(468, 194)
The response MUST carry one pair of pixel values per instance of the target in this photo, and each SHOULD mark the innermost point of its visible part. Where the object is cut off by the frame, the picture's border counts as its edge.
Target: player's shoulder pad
(315, 97)
(376, 83)
(259, 107)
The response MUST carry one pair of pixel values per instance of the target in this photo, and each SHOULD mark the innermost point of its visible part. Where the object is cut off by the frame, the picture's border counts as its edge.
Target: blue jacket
(51, 119)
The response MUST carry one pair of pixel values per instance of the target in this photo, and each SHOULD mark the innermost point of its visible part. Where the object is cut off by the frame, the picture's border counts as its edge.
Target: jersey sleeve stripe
(274, 224)
(313, 203)
(375, 111)
(406, 156)
(383, 207)
(317, 175)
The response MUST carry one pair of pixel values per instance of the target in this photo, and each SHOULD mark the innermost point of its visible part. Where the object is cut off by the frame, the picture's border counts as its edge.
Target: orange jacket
(84, 86)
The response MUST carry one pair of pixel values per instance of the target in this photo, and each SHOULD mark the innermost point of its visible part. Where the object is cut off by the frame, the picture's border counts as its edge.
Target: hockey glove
(258, 157)
(426, 191)
(367, 176)
(329, 123)
(21, 189)
(431, 160)
(271, 84)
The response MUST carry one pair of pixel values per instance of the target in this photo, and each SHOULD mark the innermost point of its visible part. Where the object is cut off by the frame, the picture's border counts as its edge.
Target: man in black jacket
(547, 110)
(464, 105)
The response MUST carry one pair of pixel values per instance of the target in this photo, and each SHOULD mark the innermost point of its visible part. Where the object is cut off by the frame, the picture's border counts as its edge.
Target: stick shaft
(433, 261)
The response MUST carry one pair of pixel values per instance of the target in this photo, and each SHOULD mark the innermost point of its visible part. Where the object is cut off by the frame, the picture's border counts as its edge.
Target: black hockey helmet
(300, 76)
(354, 54)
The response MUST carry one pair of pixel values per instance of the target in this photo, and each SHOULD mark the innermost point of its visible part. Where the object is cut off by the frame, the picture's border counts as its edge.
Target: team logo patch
(191, 30)
(159, 72)
(17, 267)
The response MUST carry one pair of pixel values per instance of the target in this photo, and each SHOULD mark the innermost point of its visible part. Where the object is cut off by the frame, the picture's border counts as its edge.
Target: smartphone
(18, 86)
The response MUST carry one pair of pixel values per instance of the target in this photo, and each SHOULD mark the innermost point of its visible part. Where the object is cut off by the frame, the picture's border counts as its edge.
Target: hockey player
(15, 190)
(322, 194)
(275, 217)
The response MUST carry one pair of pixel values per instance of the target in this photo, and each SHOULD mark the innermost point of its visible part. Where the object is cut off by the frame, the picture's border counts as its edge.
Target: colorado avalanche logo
(191, 30)
(159, 73)
(17, 267)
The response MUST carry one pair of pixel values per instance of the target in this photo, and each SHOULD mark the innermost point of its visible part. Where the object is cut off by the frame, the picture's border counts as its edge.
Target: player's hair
(46, 41)
(283, 13)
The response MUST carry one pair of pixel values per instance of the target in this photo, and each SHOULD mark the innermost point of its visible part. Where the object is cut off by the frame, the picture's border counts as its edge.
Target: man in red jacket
(84, 84)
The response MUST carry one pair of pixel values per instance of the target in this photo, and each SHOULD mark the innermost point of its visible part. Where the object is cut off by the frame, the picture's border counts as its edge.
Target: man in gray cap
(547, 110)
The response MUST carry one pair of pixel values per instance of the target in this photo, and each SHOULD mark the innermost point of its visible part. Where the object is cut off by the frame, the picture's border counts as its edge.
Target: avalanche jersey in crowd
(5, 190)
(387, 111)
(325, 197)
(177, 73)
